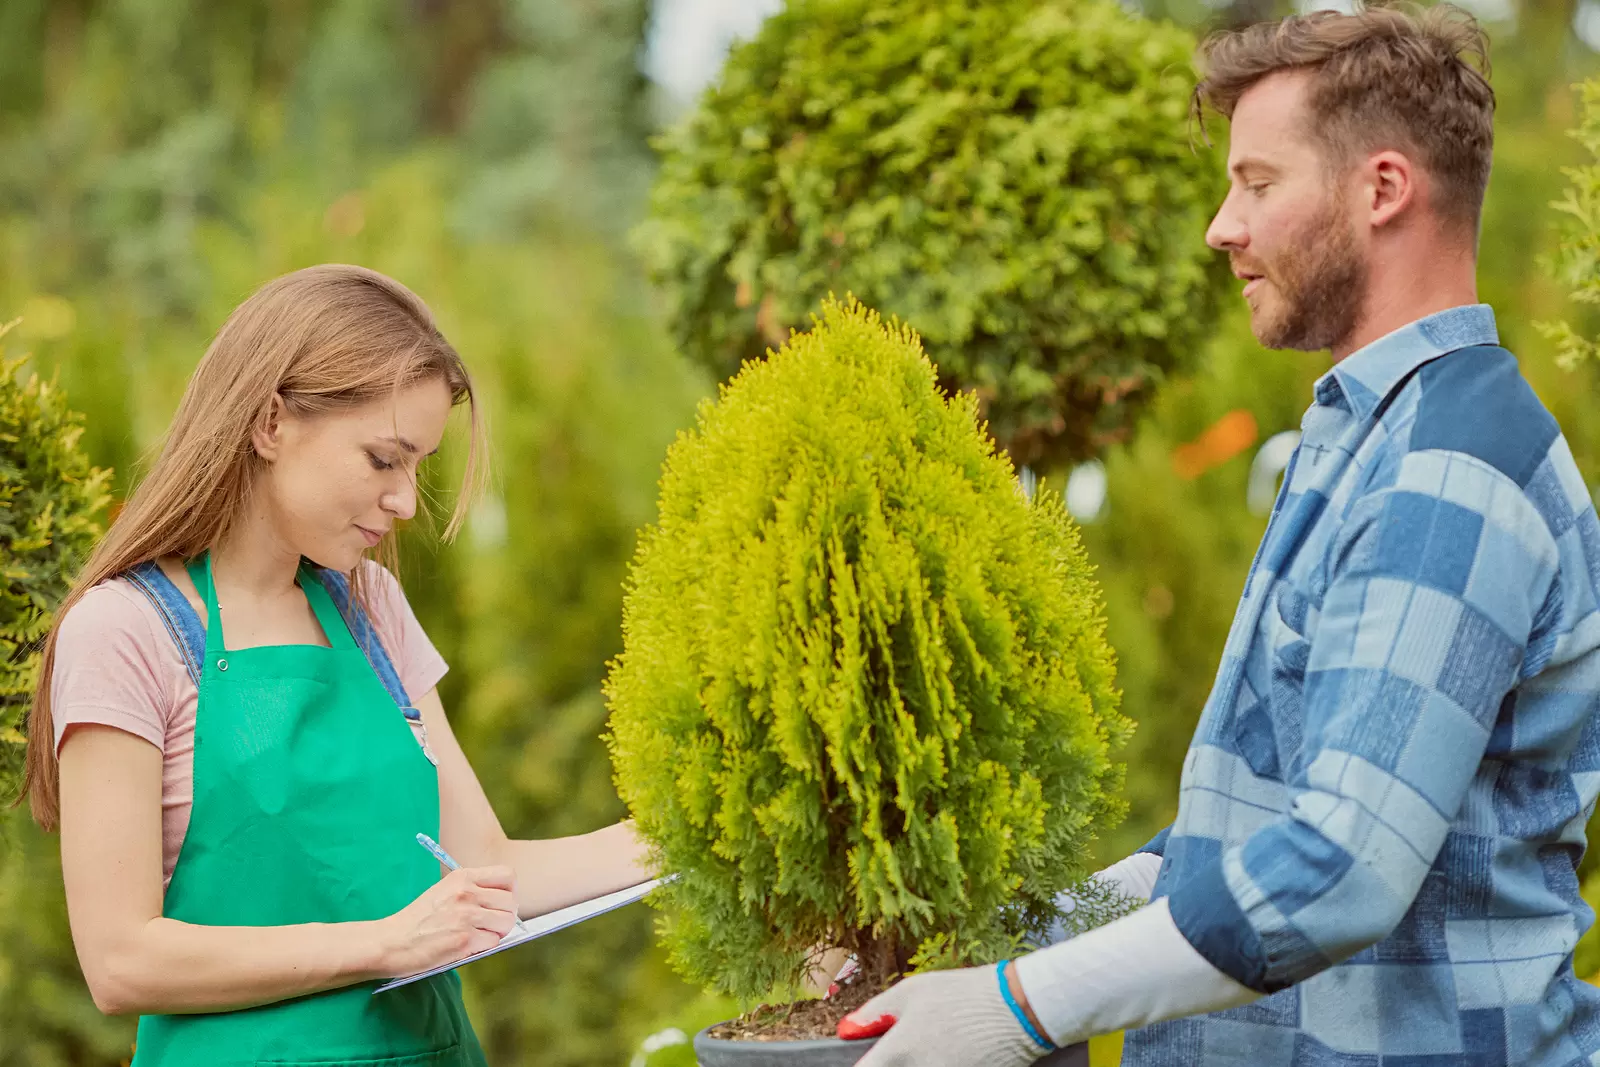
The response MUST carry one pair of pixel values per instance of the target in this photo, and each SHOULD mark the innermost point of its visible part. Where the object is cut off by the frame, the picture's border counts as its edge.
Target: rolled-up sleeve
(1434, 588)
(1157, 845)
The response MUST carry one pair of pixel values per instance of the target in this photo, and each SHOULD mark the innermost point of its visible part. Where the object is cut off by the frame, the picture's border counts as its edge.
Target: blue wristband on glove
(1016, 1009)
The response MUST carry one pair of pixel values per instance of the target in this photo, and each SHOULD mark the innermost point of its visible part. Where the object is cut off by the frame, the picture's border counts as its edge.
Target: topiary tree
(50, 500)
(865, 698)
(1014, 178)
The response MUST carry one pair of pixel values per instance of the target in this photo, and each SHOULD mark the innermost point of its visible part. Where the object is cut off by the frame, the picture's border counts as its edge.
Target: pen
(445, 858)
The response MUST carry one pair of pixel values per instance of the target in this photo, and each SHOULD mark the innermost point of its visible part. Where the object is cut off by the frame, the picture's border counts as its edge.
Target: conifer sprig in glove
(944, 1019)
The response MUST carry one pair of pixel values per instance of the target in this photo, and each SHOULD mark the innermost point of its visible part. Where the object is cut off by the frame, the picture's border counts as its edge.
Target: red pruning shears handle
(853, 1029)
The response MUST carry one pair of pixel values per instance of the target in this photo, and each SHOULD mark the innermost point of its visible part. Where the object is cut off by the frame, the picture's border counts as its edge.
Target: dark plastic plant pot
(823, 1052)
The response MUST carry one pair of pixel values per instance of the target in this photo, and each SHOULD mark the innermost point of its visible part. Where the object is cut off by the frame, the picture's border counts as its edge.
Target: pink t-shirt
(116, 665)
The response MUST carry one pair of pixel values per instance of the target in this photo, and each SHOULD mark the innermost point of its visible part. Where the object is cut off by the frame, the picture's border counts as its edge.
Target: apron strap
(189, 633)
(337, 588)
(322, 606)
(199, 570)
(328, 618)
(177, 614)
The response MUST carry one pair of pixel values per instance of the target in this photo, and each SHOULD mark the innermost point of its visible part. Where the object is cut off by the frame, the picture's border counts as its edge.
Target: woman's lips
(371, 538)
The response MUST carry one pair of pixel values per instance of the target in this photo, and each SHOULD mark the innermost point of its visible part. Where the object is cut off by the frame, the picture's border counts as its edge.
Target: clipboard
(537, 927)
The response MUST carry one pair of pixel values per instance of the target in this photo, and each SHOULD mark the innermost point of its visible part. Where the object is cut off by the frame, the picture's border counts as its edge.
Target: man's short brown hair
(1413, 80)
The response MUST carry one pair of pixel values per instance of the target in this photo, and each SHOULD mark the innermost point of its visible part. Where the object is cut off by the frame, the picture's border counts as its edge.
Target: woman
(222, 723)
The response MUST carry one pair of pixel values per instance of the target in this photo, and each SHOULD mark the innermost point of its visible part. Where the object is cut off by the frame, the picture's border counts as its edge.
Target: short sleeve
(109, 669)
(415, 659)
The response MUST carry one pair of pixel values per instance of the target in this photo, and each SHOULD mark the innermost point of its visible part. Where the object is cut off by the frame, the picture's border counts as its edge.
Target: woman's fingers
(465, 912)
(490, 877)
(488, 892)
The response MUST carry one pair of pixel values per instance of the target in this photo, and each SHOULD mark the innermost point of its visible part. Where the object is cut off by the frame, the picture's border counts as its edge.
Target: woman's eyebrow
(405, 445)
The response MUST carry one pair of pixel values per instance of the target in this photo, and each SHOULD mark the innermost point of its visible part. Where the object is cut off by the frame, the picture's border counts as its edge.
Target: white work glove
(1133, 877)
(945, 1019)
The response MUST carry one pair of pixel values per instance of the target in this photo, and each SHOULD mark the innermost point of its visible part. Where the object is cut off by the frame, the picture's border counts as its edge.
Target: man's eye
(1257, 188)
(379, 464)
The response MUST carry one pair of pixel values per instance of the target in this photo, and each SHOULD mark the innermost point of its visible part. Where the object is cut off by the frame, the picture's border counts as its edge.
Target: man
(1382, 811)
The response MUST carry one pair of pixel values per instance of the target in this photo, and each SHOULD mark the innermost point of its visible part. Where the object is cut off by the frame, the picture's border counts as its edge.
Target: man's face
(1287, 223)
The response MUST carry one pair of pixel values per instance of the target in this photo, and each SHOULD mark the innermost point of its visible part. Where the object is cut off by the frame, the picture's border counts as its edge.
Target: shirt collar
(1368, 375)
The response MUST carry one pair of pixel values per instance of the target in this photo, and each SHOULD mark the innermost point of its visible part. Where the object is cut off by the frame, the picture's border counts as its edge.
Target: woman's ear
(267, 437)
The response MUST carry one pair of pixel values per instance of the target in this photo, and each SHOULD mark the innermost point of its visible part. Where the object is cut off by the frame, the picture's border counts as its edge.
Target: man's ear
(1391, 186)
(267, 437)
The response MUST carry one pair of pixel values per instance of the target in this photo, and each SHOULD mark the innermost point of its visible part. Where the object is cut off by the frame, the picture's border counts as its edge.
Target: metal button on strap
(222, 664)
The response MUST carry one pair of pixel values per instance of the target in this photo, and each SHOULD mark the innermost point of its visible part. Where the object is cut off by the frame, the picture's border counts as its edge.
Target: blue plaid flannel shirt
(1382, 811)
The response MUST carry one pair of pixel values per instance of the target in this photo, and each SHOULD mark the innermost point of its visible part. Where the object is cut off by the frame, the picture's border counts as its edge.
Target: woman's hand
(553, 873)
(467, 911)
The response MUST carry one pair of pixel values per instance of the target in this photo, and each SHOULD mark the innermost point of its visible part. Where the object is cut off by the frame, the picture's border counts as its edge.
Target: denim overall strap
(338, 587)
(177, 614)
(189, 633)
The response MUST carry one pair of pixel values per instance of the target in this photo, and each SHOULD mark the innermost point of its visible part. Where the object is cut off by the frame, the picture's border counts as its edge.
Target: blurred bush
(159, 159)
(1013, 178)
(51, 505)
(1577, 261)
(1576, 265)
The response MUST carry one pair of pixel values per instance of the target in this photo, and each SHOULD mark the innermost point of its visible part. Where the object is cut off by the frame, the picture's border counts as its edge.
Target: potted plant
(865, 700)
(1015, 177)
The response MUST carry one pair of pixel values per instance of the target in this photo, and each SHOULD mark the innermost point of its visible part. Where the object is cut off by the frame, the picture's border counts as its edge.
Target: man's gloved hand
(943, 1019)
(1133, 876)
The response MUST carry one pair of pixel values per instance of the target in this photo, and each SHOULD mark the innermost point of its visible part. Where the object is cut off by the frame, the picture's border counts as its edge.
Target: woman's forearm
(560, 871)
(173, 968)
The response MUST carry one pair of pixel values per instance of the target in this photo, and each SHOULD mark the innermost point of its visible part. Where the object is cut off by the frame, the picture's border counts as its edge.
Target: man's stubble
(1321, 280)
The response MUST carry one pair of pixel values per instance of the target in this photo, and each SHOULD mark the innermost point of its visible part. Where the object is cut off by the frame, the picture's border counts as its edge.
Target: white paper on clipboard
(537, 927)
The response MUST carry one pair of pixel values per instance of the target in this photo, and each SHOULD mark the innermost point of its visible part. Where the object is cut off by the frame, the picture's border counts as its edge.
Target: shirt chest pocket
(1285, 636)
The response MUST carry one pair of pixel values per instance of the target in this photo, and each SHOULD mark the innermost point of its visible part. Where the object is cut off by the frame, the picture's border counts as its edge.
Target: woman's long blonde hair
(323, 338)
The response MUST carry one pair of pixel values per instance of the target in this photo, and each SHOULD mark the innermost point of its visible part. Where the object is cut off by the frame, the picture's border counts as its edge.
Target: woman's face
(336, 483)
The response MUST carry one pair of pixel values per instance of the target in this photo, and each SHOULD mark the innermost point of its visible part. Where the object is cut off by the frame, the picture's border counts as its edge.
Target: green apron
(309, 791)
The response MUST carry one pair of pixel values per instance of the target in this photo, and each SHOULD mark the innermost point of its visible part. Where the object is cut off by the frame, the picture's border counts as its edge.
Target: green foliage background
(161, 158)
(1013, 177)
(865, 698)
(50, 505)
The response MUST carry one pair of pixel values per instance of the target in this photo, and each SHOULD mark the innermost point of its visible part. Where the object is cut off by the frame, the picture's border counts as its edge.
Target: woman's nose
(402, 503)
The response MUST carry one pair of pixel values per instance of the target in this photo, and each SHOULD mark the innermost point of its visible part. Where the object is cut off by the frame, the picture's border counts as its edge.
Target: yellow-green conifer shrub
(865, 697)
(50, 501)
(1016, 177)
(1577, 262)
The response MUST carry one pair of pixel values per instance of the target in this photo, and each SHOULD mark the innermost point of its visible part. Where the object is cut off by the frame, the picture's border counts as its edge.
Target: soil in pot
(804, 1020)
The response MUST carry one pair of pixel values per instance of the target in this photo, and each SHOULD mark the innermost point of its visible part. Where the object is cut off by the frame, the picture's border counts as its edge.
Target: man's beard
(1320, 280)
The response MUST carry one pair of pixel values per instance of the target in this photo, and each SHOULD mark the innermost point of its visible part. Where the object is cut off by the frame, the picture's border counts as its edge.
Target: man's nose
(1227, 232)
